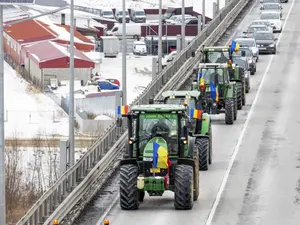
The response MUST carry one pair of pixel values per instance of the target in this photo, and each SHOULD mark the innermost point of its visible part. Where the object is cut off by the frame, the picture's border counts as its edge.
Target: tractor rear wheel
(239, 96)
(203, 152)
(210, 144)
(235, 106)
(184, 187)
(229, 111)
(129, 194)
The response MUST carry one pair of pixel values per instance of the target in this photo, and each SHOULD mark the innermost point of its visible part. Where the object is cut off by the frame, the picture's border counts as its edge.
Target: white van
(139, 48)
(132, 30)
(138, 15)
(119, 16)
(107, 13)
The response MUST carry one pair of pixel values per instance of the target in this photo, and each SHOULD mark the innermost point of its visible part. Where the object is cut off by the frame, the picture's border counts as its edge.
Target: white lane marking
(241, 23)
(100, 221)
(237, 147)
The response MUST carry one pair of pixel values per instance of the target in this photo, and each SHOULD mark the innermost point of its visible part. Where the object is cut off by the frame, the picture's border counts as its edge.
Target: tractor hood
(148, 150)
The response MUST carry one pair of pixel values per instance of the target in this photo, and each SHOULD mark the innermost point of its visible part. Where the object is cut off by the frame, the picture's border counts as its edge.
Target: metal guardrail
(60, 198)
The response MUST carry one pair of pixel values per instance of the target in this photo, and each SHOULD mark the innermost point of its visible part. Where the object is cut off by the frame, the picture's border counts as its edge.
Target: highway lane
(161, 210)
(264, 184)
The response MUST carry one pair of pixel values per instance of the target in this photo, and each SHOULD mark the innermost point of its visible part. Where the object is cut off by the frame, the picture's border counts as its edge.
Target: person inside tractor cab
(159, 127)
(209, 74)
(222, 58)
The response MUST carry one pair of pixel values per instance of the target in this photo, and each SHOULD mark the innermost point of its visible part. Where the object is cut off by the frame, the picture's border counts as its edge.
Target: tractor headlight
(271, 45)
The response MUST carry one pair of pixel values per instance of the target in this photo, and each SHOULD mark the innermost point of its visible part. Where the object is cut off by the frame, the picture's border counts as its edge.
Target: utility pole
(203, 14)
(2, 137)
(183, 25)
(124, 49)
(71, 90)
(160, 37)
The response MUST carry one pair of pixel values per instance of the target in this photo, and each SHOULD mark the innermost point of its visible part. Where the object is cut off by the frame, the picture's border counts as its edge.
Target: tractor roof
(194, 94)
(213, 65)
(216, 48)
(158, 108)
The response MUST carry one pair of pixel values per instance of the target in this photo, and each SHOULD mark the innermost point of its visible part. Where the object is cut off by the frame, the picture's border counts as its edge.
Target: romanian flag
(234, 47)
(214, 92)
(196, 114)
(122, 110)
(160, 157)
(201, 79)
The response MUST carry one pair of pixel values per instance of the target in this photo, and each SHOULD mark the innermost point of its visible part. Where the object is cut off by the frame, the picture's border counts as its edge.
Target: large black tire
(196, 174)
(239, 96)
(203, 151)
(129, 194)
(244, 93)
(210, 144)
(235, 109)
(229, 111)
(184, 187)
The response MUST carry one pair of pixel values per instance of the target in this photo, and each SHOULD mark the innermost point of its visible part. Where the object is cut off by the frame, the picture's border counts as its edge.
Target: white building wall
(35, 72)
(63, 74)
(101, 104)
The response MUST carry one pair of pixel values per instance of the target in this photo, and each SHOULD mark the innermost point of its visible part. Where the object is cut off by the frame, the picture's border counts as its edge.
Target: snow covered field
(29, 112)
(197, 4)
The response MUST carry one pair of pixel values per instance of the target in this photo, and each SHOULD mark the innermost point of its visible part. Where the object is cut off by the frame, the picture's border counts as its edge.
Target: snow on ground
(139, 73)
(29, 112)
(197, 4)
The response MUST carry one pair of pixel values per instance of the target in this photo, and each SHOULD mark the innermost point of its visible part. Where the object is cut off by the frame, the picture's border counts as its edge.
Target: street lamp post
(183, 25)
(160, 37)
(124, 45)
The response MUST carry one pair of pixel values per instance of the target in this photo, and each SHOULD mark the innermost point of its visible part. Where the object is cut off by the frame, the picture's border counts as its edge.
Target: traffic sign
(17, 2)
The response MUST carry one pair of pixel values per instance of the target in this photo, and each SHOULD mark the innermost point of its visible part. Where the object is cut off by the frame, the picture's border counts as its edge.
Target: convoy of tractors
(169, 141)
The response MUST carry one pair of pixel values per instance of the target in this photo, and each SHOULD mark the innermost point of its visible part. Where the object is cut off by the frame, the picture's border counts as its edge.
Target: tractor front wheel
(196, 173)
(244, 93)
(203, 151)
(210, 144)
(239, 96)
(129, 194)
(184, 187)
(229, 111)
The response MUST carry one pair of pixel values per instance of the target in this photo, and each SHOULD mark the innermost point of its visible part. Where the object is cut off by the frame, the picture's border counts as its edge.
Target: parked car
(246, 52)
(266, 42)
(119, 16)
(251, 44)
(274, 18)
(271, 7)
(138, 15)
(114, 81)
(139, 48)
(107, 13)
(107, 85)
(167, 59)
(263, 22)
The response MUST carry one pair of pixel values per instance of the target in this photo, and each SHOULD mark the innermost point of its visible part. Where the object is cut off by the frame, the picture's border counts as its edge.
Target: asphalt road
(264, 184)
(270, 190)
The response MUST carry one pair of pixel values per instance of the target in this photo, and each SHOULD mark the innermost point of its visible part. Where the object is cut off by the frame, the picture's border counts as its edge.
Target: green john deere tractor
(216, 80)
(165, 126)
(222, 54)
(198, 128)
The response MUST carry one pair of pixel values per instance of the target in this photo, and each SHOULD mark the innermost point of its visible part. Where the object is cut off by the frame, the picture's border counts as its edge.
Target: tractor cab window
(163, 125)
(209, 74)
(180, 101)
(217, 57)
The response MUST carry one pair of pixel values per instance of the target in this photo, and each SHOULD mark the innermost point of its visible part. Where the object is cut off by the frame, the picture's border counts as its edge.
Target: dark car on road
(243, 63)
(246, 52)
(266, 42)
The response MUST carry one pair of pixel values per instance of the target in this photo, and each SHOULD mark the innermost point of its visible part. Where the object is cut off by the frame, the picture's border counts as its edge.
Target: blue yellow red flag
(160, 156)
(122, 110)
(234, 47)
(217, 94)
(196, 114)
(199, 76)
(213, 92)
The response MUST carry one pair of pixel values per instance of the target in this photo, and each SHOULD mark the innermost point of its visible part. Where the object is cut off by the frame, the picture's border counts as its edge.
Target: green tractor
(159, 129)
(199, 128)
(218, 93)
(222, 54)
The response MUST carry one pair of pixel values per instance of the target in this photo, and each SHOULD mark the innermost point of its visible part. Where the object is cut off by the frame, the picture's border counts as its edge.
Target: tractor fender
(191, 146)
(237, 81)
(201, 136)
(128, 161)
(186, 161)
(205, 123)
(230, 90)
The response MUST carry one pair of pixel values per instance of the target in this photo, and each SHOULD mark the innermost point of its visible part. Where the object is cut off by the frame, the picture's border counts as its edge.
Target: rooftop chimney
(63, 19)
